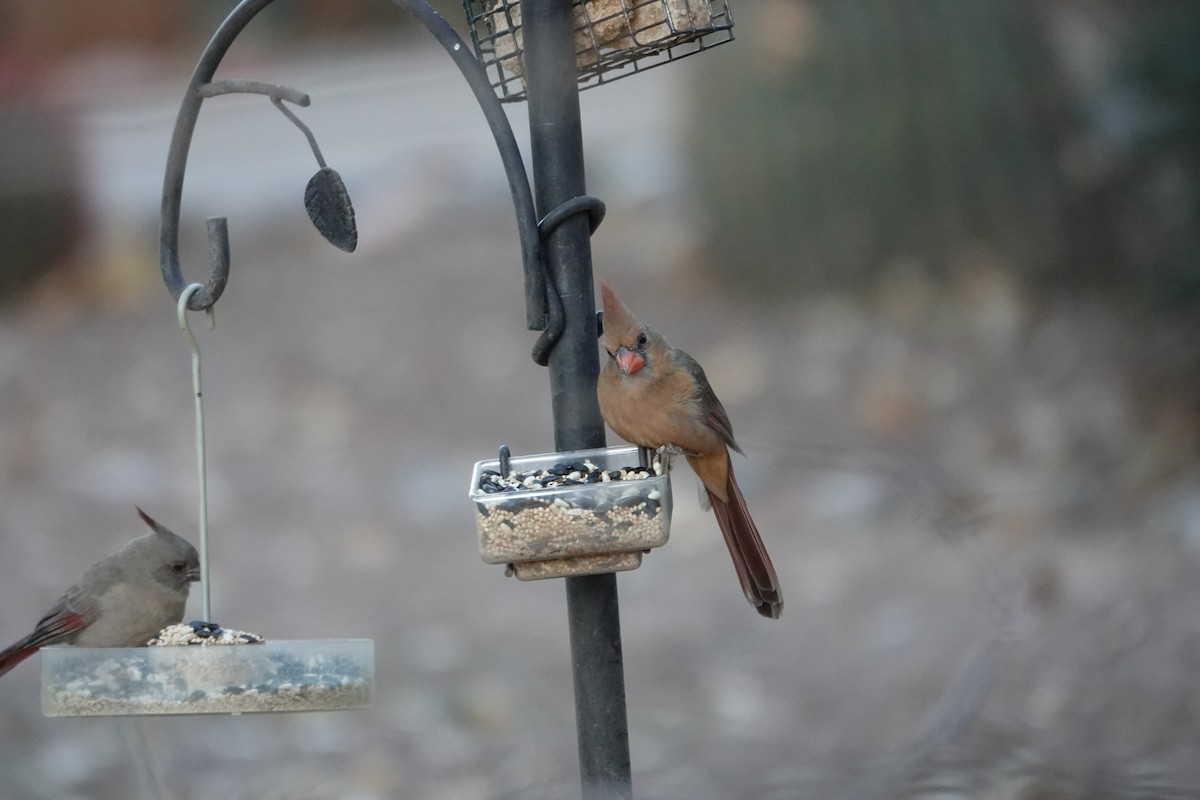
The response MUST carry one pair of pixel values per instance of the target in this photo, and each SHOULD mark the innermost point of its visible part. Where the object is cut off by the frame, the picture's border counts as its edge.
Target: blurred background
(940, 259)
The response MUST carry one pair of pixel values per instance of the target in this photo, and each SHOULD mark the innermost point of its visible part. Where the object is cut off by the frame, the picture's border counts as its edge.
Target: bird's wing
(71, 614)
(713, 412)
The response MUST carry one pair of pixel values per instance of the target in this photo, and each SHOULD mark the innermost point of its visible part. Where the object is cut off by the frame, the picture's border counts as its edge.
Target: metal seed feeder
(583, 512)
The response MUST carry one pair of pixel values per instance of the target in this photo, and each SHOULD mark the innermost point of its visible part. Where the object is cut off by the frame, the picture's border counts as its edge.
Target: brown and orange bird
(654, 395)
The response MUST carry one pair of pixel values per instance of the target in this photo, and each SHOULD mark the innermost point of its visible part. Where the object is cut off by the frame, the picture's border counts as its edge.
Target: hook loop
(185, 297)
(583, 204)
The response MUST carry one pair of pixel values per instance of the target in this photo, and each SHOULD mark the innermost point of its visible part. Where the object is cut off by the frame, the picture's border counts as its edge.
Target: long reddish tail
(16, 654)
(750, 558)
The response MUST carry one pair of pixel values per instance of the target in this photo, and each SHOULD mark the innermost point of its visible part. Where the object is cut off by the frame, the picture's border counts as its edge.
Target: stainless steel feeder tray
(574, 529)
(296, 675)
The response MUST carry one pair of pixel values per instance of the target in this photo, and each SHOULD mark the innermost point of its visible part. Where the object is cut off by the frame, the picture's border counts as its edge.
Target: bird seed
(570, 509)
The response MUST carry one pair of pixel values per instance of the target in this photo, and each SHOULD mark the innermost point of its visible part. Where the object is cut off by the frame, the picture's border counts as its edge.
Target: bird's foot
(663, 457)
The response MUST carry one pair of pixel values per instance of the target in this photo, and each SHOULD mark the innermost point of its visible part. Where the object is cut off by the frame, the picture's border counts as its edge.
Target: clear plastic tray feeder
(583, 512)
(200, 667)
(613, 38)
(298, 675)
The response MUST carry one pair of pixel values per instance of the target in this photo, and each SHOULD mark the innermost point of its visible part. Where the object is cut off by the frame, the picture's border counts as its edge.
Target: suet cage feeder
(613, 38)
(581, 512)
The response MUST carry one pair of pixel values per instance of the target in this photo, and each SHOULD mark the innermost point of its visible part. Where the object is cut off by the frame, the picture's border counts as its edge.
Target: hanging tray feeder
(296, 675)
(191, 669)
(581, 512)
(200, 668)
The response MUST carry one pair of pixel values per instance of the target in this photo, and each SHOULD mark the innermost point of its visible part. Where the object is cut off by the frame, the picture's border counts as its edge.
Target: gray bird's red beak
(629, 361)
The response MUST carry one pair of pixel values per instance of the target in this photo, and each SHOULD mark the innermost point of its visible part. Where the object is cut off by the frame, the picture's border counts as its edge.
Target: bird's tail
(750, 557)
(16, 654)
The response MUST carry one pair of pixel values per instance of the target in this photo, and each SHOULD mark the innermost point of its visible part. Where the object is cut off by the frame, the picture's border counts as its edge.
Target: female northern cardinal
(122, 601)
(654, 395)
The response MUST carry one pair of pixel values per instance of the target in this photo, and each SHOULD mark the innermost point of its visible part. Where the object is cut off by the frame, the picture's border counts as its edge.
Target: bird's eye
(642, 339)
(179, 566)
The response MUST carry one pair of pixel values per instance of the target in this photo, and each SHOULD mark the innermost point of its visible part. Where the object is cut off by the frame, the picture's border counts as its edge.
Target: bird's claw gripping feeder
(582, 528)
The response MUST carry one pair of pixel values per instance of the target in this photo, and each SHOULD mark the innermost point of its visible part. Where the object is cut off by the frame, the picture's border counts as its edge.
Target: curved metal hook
(543, 306)
(181, 139)
(199, 88)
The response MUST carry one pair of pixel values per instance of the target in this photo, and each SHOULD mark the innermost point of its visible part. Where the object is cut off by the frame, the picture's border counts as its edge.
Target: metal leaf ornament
(329, 208)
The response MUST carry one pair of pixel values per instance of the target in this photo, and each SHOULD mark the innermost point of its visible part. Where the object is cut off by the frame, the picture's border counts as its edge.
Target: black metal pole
(595, 626)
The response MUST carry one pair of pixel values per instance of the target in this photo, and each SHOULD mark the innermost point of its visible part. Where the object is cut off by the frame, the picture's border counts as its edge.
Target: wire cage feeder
(613, 38)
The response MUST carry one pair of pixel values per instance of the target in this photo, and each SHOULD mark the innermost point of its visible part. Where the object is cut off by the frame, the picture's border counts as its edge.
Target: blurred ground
(983, 505)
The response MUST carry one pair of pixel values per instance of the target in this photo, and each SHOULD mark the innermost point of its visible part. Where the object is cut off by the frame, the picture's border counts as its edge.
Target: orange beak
(629, 361)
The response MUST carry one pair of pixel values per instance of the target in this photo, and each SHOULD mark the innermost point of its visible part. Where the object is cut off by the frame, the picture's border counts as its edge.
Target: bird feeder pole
(557, 148)
(555, 221)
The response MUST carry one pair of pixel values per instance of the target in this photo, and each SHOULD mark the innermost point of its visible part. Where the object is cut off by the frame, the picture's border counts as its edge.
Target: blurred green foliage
(834, 140)
(1158, 181)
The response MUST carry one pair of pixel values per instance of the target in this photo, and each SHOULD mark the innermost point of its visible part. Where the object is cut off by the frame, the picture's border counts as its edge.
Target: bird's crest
(618, 320)
(154, 525)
